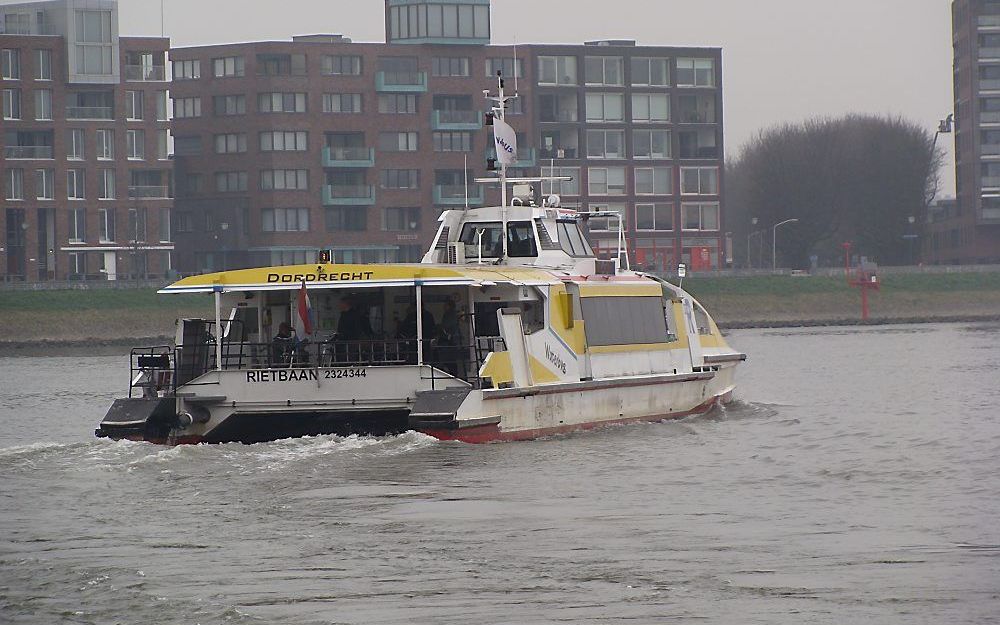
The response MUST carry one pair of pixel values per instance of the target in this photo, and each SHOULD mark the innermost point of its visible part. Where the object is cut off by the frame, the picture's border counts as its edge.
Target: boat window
(570, 239)
(521, 239)
(624, 320)
(701, 319)
(492, 244)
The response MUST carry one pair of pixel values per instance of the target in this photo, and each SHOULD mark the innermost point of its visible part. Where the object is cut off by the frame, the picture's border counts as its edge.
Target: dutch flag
(305, 317)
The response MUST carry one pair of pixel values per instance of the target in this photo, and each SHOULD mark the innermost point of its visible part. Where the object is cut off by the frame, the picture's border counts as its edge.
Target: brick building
(968, 231)
(86, 173)
(284, 148)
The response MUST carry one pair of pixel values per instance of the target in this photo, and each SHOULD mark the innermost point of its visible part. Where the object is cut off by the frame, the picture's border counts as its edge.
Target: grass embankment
(102, 314)
(126, 314)
(788, 300)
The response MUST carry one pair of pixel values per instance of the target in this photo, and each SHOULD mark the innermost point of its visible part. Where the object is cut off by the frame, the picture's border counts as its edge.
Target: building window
(508, 66)
(12, 104)
(10, 64)
(650, 107)
(284, 220)
(650, 144)
(162, 144)
(699, 180)
(346, 218)
(106, 184)
(400, 179)
(400, 219)
(284, 141)
(654, 216)
(397, 141)
(603, 70)
(281, 102)
(229, 104)
(453, 141)
(161, 106)
(695, 73)
(700, 216)
(43, 104)
(135, 144)
(284, 179)
(605, 107)
(230, 143)
(184, 222)
(133, 105)
(77, 225)
(43, 65)
(557, 70)
(106, 223)
(137, 224)
(75, 185)
(105, 146)
(561, 187)
(44, 184)
(605, 144)
(187, 107)
(397, 103)
(439, 21)
(647, 72)
(606, 181)
(281, 65)
(609, 223)
(165, 234)
(341, 102)
(654, 181)
(698, 143)
(228, 66)
(230, 181)
(74, 143)
(340, 65)
(450, 66)
(696, 109)
(187, 70)
(14, 184)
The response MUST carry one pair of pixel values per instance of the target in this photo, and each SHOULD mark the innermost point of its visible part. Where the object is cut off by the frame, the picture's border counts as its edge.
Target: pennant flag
(506, 142)
(305, 316)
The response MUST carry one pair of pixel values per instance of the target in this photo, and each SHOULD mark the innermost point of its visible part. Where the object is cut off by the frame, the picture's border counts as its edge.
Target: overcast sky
(783, 60)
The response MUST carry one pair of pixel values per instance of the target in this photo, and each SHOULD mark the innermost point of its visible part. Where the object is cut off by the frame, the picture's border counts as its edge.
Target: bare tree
(859, 178)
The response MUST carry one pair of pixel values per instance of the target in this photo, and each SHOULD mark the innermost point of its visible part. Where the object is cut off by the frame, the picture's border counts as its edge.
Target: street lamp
(774, 242)
(944, 128)
(911, 236)
(753, 222)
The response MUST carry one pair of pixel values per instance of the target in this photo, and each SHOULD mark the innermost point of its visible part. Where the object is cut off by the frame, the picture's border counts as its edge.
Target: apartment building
(283, 148)
(84, 146)
(968, 231)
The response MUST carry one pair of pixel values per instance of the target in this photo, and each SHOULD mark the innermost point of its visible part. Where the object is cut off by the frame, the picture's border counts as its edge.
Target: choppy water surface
(855, 481)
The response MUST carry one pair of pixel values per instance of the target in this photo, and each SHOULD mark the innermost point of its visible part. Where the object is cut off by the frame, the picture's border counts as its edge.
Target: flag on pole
(305, 316)
(506, 142)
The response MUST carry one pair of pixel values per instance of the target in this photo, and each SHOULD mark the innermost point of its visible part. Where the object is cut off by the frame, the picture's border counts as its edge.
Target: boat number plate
(332, 374)
(295, 375)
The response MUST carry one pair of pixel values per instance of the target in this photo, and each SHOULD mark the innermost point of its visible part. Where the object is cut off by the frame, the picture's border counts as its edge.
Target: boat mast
(499, 110)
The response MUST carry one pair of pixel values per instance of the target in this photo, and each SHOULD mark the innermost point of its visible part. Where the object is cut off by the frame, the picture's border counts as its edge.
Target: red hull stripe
(491, 433)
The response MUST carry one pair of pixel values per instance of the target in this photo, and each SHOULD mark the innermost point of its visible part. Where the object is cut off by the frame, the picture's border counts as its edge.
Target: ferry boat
(509, 329)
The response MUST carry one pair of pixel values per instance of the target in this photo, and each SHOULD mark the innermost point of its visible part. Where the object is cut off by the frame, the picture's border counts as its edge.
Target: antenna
(514, 67)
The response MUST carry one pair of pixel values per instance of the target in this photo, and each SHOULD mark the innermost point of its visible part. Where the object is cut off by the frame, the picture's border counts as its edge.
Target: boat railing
(151, 371)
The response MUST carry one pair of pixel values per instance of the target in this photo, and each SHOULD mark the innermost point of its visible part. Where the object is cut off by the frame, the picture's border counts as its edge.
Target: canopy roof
(330, 276)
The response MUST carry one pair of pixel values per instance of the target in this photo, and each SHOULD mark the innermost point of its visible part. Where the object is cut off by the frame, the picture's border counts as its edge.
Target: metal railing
(145, 73)
(27, 151)
(989, 149)
(149, 192)
(349, 154)
(89, 112)
(349, 190)
(457, 117)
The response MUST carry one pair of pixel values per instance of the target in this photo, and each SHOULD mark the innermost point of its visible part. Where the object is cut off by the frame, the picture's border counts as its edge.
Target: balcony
(989, 84)
(348, 195)
(145, 73)
(989, 149)
(526, 157)
(989, 117)
(348, 157)
(401, 82)
(554, 152)
(153, 192)
(990, 182)
(454, 194)
(456, 120)
(27, 151)
(989, 53)
(40, 28)
(988, 22)
(89, 112)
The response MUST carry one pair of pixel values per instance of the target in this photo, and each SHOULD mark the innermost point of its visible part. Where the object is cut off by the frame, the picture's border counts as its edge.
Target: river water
(856, 480)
